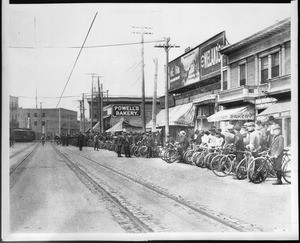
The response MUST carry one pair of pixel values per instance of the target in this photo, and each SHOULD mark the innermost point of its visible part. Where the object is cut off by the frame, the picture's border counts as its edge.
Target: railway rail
(20, 151)
(233, 224)
(19, 167)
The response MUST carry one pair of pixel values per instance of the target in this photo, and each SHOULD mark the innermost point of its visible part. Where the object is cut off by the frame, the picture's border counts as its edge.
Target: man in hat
(255, 139)
(198, 140)
(219, 138)
(119, 143)
(212, 137)
(183, 142)
(270, 129)
(126, 144)
(150, 145)
(238, 143)
(229, 134)
(276, 152)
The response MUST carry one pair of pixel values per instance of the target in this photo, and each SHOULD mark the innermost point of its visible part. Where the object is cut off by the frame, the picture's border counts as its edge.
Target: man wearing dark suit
(276, 152)
(119, 144)
(238, 143)
(126, 145)
(80, 141)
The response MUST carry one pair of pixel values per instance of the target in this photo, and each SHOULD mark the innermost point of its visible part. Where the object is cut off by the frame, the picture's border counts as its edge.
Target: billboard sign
(185, 70)
(210, 57)
(126, 110)
(199, 64)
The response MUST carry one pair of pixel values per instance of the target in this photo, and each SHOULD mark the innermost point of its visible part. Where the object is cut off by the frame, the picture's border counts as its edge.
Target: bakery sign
(126, 110)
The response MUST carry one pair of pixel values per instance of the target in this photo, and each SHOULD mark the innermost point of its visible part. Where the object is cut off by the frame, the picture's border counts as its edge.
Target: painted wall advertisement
(198, 64)
(126, 110)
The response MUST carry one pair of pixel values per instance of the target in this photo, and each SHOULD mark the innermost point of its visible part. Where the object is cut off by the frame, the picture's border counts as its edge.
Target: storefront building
(194, 81)
(256, 79)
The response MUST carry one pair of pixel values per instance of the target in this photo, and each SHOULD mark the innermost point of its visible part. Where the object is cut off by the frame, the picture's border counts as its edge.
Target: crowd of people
(255, 137)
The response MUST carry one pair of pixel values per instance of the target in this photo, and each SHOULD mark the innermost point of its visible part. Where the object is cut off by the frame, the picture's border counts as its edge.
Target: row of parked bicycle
(223, 162)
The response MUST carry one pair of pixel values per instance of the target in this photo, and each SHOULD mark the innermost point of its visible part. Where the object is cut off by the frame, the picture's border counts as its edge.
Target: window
(28, 114)
(34, 114)
(264, 69)
(224, 80)
(43, 114)
(242, 74)
(275, 65)
(43, 123)
(35, 123)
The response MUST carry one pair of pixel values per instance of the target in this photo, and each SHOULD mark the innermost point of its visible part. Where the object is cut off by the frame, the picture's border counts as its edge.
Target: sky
(54, 33)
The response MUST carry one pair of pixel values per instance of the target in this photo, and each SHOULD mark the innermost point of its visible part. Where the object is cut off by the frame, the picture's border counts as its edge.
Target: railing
(238, 93)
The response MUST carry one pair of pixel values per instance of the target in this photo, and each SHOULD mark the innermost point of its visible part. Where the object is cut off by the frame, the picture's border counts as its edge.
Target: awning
(123, 126)
(240, 113)
(278, 110)
(181, 115)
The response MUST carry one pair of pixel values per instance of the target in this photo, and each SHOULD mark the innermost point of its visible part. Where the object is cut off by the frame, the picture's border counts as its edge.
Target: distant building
(122, 108)
(49, 121)
(13, 112)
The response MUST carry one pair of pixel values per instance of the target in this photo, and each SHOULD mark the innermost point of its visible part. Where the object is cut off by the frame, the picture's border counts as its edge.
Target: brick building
(49, 121)
(122, 108)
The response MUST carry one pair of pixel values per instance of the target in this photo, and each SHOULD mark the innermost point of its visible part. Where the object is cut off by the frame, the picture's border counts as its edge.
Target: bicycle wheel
(188, 157)
(172, 156)
(286, 171)
(224, 167)
(208, 159)
(241, 169)
(257, 170)
(194, 157)
(215, 161)
(200, 160)
(143, 151)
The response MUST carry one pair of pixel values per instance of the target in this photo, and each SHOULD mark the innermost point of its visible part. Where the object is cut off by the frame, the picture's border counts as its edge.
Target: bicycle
(262, 167)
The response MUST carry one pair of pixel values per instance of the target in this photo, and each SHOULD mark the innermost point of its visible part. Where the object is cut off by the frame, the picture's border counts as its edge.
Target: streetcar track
(232, 223)
(18, 152)
(16, 170)
(86, 179)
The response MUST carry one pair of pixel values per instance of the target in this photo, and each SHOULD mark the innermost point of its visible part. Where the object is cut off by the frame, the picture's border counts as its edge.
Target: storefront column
(283, 59)
(256, 69)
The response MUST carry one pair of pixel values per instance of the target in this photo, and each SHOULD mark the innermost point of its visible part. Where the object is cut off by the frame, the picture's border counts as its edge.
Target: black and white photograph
(149, 121)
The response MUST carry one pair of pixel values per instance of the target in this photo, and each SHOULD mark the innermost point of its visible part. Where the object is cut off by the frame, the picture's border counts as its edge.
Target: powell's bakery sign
(126, 110)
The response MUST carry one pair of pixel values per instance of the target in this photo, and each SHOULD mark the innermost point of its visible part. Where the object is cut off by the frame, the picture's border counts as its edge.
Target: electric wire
(76, 60)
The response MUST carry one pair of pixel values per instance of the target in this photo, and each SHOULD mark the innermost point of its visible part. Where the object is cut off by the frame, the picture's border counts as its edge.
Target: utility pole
(143, 32)
(80, 112)
(101, 109)
(167, 46)
(83, 113)
(100, 106)
(59, 121)
(41, 118)
(154, 98)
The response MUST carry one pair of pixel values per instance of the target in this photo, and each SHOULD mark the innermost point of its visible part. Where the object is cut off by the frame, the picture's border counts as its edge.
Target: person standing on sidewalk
(150, 145)
(276, 152)
(96, 142)
(80, 141)
(127, 145)
(119, 143)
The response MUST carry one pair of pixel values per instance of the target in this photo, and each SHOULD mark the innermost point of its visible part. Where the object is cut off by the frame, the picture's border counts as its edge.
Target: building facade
(13, 112)
(120, 108)
(50, 122)
(256, 72)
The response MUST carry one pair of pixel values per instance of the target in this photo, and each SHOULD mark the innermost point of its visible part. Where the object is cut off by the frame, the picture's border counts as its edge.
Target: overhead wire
(76, 60)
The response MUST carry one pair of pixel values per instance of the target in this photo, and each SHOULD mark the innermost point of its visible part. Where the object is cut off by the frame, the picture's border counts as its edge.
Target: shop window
(275, 65)
(28, 114)
(35, 115)
(225, 80)
(35, 123)
(288, 58)
(264, 70)
(242, 69)
(43, 123)
(43, 114)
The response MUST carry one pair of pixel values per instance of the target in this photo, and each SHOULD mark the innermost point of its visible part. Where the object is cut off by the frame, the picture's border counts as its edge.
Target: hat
(182, 133)
(276, 126)
(251, 124)
(271, 118)
(237, 128)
